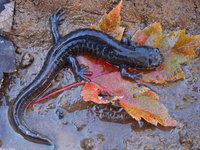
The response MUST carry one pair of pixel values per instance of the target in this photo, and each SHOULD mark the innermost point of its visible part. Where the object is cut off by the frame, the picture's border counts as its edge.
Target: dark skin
(123, 54)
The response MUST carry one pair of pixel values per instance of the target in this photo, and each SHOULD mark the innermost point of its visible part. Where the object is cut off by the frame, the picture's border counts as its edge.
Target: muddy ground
(87, 125)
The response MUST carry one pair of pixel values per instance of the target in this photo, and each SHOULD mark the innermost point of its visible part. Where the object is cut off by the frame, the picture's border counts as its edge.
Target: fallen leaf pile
(139, 102)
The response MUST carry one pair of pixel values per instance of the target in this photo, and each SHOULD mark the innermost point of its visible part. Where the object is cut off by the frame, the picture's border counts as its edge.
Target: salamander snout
(155, 58)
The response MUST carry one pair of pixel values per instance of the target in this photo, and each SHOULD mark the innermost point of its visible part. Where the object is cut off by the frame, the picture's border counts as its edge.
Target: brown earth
(74, 124)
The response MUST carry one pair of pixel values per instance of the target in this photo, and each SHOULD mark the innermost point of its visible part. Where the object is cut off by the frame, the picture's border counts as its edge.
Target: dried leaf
(110, 23)
(177, 48)
(139, 102)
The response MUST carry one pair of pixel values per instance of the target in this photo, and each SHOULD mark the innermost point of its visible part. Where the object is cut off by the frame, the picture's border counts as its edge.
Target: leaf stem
(58, 91)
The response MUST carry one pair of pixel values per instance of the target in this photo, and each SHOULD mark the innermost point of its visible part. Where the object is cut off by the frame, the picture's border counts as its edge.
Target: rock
(7, 57)
(6, 15)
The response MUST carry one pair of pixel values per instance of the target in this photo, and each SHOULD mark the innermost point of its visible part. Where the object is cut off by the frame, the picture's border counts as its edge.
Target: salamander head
(145, 57)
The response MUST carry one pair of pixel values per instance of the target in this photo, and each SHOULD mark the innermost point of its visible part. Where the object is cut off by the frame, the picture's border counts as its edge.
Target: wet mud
(74, 124)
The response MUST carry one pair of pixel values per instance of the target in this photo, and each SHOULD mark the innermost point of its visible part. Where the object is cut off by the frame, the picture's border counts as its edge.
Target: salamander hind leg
(79, 71)
(55, 21)
(129, 75)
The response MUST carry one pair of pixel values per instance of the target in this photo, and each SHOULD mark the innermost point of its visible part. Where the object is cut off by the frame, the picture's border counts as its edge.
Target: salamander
(123, 54)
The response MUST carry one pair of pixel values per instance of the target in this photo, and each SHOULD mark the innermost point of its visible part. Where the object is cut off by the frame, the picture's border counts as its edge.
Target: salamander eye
(156, 50)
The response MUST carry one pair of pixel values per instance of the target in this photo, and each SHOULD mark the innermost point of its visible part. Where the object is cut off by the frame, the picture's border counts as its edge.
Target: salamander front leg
(55, 21)
(79, 71)
(128, 42)
(129, 75)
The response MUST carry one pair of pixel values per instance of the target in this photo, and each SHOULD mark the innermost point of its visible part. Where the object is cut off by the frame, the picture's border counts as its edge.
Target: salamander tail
(19, 125)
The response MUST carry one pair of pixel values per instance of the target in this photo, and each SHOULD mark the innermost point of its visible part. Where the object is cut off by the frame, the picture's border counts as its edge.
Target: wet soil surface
(74, 124)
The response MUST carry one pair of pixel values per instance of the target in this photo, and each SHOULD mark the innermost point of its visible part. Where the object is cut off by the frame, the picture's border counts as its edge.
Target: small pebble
(27, 60)
(18, 51)
(60, 113)
(87, 144)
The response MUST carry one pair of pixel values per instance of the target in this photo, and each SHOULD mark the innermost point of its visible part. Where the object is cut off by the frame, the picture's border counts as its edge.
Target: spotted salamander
(123, 54)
